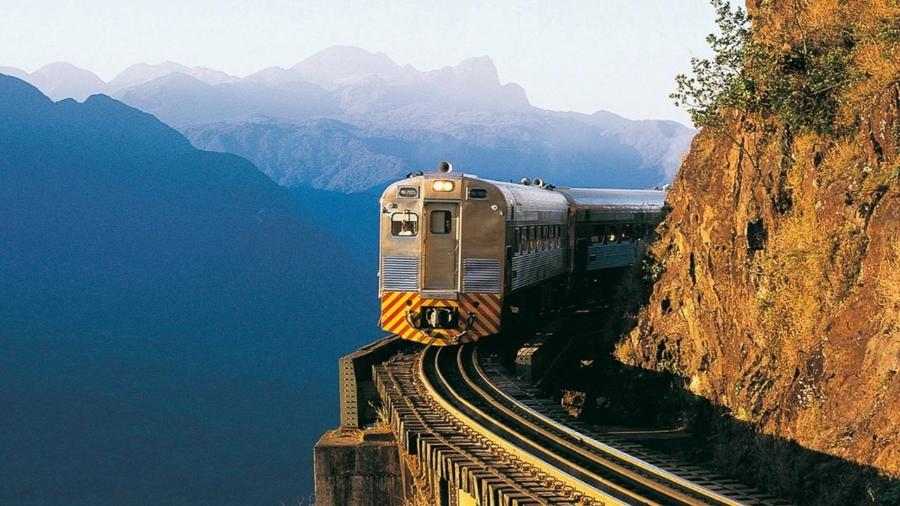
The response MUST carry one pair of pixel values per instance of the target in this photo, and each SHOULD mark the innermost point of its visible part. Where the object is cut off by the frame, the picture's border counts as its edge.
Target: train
(460, 255)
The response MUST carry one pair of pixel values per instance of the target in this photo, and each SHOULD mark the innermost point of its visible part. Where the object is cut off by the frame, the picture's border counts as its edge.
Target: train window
(612, 234)
(518, 241)
(478, 193)
(626, 234)
(440, 222)
(532, 239)
(404, 224)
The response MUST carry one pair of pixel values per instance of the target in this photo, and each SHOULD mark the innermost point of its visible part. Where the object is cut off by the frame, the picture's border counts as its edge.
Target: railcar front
(442, 248)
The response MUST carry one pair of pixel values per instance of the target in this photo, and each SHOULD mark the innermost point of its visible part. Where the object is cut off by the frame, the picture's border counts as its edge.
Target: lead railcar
(459, 254)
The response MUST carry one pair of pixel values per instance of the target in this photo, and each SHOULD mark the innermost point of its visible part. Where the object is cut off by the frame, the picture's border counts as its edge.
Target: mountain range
(162, 338)
(347, 119)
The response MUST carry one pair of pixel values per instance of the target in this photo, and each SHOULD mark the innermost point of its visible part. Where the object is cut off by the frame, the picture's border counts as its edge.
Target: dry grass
(863, 34)
(382, 418)
(876, 53)
(791, 301)
(811, 266)
(418, 498)
(418, 495)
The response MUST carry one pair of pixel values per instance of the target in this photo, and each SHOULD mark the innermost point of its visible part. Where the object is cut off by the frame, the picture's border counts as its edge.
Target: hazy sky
(580, 55)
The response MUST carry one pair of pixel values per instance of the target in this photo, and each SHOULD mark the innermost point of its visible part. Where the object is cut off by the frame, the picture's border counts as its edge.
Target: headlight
(442, 186)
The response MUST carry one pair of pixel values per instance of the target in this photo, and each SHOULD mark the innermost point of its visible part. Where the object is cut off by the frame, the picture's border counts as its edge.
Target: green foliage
(651, 270)
(803, 85)
(719, 83)
(797, 80)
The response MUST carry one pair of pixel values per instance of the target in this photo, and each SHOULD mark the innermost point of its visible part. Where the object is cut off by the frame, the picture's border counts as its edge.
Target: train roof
(547, 198)
(600, 197)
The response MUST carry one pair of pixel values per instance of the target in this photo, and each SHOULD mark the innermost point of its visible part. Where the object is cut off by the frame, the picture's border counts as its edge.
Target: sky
(579, 55)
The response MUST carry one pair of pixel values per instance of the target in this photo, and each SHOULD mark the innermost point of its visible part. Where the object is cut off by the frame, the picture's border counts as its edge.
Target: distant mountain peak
(340, 63)
(141, 73)
(352, 53)
(60, 80)
(61, 66)
(478, 69)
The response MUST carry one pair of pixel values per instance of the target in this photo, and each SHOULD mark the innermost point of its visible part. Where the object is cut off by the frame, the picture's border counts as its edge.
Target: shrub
(796, 78)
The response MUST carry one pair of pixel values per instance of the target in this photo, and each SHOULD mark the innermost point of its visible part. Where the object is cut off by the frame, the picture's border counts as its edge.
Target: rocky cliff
(778, 269)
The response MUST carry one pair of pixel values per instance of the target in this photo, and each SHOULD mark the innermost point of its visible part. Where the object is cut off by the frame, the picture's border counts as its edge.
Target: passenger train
(460, 255)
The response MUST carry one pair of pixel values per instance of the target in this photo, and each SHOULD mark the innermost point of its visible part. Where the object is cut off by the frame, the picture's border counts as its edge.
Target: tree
(718, 83)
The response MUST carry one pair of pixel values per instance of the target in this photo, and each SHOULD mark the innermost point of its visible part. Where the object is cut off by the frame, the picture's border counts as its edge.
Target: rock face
(779, 297)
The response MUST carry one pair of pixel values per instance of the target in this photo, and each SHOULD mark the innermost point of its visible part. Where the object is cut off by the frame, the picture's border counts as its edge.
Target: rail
(577, 464)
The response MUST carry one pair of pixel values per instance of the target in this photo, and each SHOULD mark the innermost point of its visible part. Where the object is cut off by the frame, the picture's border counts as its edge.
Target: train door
(441, 246)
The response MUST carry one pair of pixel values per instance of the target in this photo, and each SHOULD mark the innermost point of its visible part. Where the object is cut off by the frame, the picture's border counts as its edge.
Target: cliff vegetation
(777, 275)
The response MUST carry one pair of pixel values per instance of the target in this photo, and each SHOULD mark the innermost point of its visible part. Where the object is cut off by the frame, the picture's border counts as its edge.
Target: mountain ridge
(403, 118)
(159, 308)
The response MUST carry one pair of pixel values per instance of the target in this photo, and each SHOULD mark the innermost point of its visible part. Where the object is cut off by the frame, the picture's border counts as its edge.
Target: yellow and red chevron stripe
(395, 306)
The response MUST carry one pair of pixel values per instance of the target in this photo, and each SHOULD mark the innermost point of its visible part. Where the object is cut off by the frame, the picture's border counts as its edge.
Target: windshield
(404, 224)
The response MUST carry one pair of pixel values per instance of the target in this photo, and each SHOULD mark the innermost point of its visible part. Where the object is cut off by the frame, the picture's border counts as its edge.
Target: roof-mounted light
(441, 185)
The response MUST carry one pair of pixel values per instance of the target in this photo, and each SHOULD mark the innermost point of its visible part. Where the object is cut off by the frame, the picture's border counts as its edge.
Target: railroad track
(451, 401)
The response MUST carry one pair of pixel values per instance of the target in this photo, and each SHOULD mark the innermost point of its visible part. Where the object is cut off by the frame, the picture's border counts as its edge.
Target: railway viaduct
(449, 426)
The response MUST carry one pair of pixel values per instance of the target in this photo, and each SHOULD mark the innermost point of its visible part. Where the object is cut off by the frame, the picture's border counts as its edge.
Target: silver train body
(459, 254)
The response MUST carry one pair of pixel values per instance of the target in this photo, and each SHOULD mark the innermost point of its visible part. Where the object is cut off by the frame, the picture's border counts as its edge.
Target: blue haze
(161, 333)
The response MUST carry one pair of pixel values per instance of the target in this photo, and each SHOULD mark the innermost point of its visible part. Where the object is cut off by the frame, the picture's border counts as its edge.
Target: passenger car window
(440, 222)
(404, 224)
(612, 234)
(477, 193)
